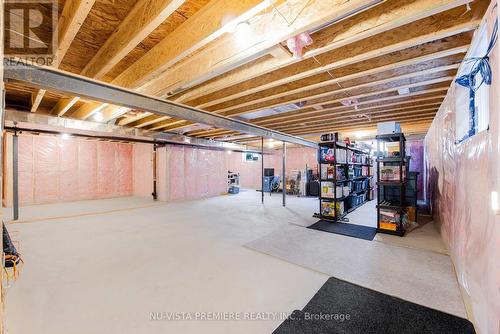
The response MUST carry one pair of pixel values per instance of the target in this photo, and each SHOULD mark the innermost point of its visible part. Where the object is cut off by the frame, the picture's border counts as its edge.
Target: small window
(250, 157)
(468, 123)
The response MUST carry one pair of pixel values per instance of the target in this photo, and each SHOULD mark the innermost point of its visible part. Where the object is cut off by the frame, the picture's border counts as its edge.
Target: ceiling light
(65, 136)
(98, 116)
(242, 31)
(229, 152)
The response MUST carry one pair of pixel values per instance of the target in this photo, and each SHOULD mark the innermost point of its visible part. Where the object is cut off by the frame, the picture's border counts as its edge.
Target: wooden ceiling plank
(345, 110)
(88, 110)
(328, 92)
(73, 14)
(144, 18)
(324, 100)
(63, 105)
(352, 124)
(354, 117)
(405, 43)
(231, 51)
(378, 20)
(287, 115)
(326, 117)
(196, 32)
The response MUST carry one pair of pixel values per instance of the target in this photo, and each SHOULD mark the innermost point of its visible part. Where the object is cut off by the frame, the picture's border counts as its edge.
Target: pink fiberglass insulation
(462, 180)
(202, 166)
(142, 169)
(177, 172)
(298, 157)
(415, 148)
(26, 175)
(195, 173)
(46, 163)
(87, 169)
(53, 169)
(105, 168)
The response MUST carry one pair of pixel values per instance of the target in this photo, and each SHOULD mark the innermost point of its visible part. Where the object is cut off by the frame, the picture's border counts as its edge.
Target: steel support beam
(15, 177)
(35, 122)
(284, 174)
(262, 168)
(57, 80)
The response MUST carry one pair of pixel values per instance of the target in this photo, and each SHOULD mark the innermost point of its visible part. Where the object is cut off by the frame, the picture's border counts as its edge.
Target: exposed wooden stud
(72, 17)
(197, 31)
(63, 105)
(280, 52)
(229, 52)
(380, 19)
(145, 16)
(330, 92)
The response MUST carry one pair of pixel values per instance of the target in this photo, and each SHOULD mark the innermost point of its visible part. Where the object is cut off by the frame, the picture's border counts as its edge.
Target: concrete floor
(108, 264)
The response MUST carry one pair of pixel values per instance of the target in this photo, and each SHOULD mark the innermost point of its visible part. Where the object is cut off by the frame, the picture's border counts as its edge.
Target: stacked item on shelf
(344, 179)
(396, 186)
(233, 182)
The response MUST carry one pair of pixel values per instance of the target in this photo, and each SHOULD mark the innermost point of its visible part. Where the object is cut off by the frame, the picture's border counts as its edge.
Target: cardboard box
(385, 128)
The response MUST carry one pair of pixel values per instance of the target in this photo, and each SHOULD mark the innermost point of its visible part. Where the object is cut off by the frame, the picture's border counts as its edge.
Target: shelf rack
(403, 163)
(366, 162)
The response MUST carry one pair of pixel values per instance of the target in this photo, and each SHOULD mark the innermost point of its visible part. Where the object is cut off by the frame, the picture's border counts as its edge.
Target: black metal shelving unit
(382, 203)
(366, 162)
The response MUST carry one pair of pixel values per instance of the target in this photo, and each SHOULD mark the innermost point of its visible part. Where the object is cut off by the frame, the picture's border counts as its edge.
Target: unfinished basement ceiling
(392, 61)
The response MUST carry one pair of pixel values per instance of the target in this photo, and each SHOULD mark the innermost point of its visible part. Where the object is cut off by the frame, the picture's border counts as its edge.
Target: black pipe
(155, 194)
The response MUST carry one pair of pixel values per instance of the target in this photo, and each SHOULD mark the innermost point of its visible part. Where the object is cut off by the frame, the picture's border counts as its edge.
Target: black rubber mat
(343, 307)
(350, 230)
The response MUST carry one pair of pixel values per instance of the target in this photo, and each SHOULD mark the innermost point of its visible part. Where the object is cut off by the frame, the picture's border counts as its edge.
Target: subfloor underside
(111, 266)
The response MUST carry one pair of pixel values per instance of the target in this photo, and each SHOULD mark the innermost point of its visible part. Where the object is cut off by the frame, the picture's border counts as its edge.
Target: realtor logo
(31, 30)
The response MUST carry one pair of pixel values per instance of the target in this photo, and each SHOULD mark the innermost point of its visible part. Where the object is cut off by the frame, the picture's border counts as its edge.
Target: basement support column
(155, 173)
(262, 168)
(15, 177)
(284, 174)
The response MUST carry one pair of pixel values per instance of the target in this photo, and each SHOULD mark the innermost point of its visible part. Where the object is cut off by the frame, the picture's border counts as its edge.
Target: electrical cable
(480, 65)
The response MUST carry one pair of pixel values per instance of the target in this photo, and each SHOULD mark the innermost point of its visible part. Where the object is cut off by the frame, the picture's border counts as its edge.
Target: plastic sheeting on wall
(142, 169)
(415, 148)
(195, 173)
(461, 180)
(53, 169)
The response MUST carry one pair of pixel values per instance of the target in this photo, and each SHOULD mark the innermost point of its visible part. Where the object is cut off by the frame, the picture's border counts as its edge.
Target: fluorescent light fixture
(403, 91)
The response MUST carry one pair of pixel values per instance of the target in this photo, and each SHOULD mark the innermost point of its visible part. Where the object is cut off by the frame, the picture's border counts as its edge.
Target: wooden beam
(330, 91)
(88, 110)
(280, 52)
(63, 105)
(385, 17)
(352, 124)
(327, 99)
(340, 111)
(346, 119)
(308, 112)
(232, 50)
(196, 32)
(380, 102)
(294, 92)
(353, 112)
(144, 17)
(400, 41)
(72, 17)
(200, 29)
